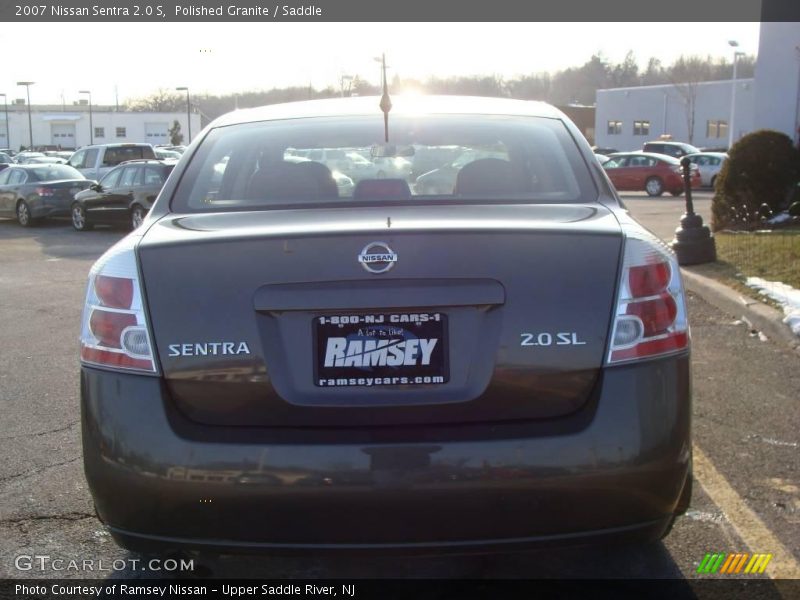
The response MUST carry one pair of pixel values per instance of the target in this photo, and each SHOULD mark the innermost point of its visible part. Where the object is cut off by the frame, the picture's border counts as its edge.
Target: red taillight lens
(648, 280)
(650, 315)
(656, 314)
(108, 326)
(44, 191)
(114, 292)
(114, 331)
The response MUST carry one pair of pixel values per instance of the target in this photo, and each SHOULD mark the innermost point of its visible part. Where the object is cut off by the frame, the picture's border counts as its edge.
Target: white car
(709, 165)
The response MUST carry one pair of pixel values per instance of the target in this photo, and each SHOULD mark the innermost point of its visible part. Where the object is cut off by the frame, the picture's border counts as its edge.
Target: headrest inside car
(485, 176)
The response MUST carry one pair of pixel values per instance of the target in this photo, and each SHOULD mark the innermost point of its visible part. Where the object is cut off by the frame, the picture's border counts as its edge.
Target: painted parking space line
(747, 524)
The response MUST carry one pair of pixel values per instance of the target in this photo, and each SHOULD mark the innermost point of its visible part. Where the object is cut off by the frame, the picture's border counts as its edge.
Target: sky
(131, 60)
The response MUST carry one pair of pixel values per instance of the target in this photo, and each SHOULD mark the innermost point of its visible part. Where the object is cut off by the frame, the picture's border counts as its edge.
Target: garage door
(62, 135)
(156, 133)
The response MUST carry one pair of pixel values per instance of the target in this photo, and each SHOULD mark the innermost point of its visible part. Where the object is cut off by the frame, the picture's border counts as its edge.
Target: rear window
(116, 155)
(55, 172)
(440, 158)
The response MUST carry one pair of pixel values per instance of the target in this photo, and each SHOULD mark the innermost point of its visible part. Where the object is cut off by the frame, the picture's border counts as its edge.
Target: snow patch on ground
(785, 295)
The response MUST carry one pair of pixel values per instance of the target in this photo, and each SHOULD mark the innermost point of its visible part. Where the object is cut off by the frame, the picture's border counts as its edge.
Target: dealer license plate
(374, 349)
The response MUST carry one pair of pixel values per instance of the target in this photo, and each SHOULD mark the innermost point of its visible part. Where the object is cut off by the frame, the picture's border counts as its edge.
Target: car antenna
(386, 102)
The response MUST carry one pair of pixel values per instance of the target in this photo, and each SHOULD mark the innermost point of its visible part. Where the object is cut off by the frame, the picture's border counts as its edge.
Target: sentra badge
(377, 257)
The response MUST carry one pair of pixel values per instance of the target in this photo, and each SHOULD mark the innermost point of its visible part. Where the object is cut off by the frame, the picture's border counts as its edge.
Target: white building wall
(665, 108)
(777, 78)
(133, 123)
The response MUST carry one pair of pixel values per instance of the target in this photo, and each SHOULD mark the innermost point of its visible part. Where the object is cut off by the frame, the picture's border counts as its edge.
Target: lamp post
(5, 109)
(91, 125)
(731, 125)
(188, 110)
(693, 243)
(28, 85)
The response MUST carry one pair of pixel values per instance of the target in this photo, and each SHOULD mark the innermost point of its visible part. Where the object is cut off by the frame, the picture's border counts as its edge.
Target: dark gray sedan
(268, 366)
(30, 192)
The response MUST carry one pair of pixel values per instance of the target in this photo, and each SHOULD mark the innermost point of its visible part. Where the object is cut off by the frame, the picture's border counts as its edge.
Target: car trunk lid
(490, 312)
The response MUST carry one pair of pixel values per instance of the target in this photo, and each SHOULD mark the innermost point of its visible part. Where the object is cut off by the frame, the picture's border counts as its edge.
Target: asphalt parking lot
(746, 423)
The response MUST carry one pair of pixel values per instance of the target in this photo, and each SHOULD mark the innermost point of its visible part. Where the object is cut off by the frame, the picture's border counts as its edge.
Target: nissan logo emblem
(377, 257)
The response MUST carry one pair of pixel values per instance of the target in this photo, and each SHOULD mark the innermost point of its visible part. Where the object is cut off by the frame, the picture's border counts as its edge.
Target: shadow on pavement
(58, 239)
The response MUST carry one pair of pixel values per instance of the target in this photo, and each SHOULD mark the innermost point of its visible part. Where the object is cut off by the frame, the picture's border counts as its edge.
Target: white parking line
(746, 523)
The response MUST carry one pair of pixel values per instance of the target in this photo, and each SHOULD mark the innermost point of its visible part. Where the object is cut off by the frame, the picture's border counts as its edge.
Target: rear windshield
(55, 172)
(116, 155)
(441, 158)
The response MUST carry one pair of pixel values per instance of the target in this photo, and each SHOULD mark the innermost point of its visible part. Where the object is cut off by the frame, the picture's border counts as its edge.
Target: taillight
(114, 331)
(45, 191)
(650, 318)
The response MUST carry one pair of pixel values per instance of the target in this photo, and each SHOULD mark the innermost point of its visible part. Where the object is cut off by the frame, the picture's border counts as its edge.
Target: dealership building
(626, 118)
(68, 126)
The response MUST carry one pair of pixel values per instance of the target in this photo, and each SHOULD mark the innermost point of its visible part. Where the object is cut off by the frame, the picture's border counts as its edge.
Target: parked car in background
(605, 151)
(503, 367)
(644, 171)
(95, 161)
(65, 154)
(601, 158)
(46, 160)
(393, 166)
(123, 196)
(6, 160)
(22, 158)
(674, 149)
(165, 154)
(709, 165)
(30, 192)
(179, 149)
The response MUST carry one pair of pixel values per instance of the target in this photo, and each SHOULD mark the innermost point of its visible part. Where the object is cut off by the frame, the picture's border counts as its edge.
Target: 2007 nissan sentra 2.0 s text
(270, 365)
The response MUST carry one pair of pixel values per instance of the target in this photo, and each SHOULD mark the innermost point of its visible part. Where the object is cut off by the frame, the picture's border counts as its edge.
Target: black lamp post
(28, 85)
(188, 111)
(693, 243)
(91, 125)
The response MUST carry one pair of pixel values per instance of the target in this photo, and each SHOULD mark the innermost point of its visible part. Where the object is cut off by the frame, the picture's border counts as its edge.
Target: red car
(653, 173)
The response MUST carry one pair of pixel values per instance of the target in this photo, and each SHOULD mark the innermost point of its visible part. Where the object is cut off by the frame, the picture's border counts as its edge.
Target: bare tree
(685, 74)
(159, 101)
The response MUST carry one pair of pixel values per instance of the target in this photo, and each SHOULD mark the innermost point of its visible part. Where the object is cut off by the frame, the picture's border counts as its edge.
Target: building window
(716, 129)
(99, 132)
(614, 127)
(641, 128)
(121, 132)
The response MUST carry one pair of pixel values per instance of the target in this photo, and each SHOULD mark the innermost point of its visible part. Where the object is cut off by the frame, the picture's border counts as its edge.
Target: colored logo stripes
(742, 562)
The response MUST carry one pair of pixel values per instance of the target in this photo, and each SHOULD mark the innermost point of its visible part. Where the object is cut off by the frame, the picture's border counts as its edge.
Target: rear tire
(24, 216)
(79, 220)
(137, 216)
(654, 186)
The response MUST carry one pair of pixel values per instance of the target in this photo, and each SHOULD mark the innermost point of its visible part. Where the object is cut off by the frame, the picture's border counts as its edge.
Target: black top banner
(716, 11)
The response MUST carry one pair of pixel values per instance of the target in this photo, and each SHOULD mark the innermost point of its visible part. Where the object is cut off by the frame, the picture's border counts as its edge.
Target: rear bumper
(160, 481)
(50, 208)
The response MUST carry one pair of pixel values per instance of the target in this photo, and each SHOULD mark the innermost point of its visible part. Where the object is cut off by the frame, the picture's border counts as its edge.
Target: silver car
(709, 165)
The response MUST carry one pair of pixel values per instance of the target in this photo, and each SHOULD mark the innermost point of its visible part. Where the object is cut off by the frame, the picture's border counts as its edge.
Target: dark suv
(124, 195)
(676, 149)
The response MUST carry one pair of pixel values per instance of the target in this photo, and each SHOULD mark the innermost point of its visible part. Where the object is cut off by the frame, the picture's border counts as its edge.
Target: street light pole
(731, 126)
(5, 108)
(91, 125)
(188, 110)
(28, 85)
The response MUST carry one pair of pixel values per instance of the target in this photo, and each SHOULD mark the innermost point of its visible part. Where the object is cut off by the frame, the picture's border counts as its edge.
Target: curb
(762, 317)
